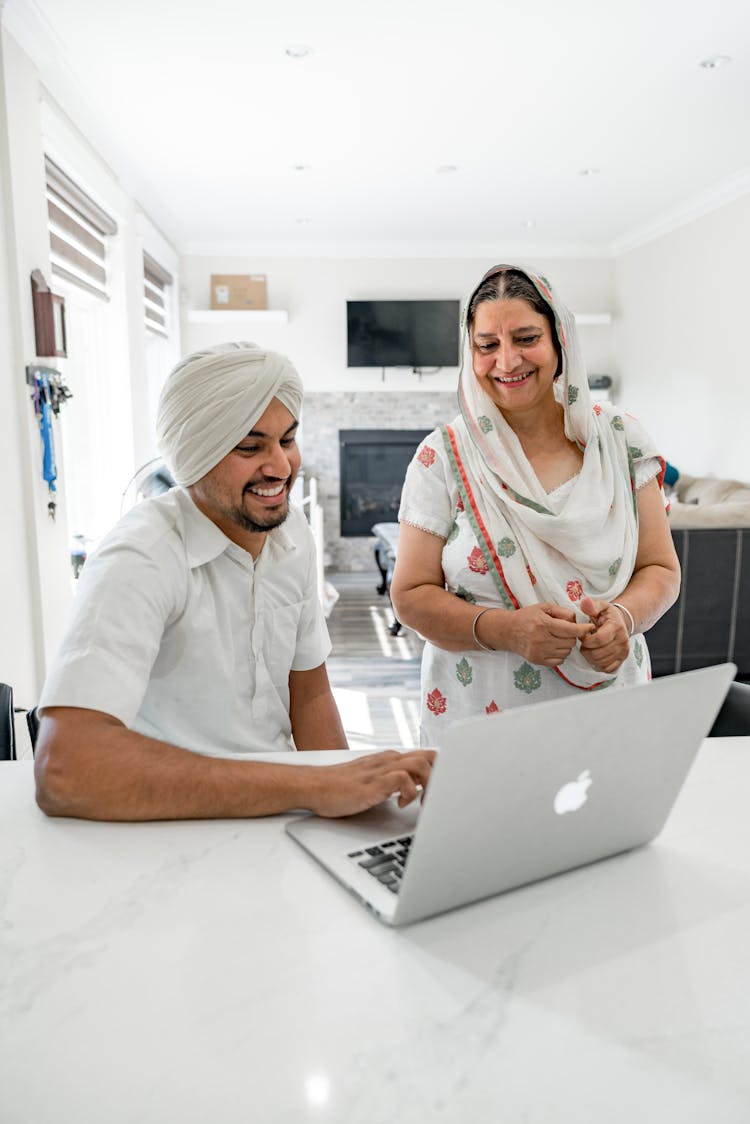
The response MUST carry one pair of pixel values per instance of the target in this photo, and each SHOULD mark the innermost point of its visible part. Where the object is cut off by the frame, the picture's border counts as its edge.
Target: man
(197, 637)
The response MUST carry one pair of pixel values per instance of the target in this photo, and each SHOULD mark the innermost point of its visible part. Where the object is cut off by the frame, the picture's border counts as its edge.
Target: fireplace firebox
(373, 464)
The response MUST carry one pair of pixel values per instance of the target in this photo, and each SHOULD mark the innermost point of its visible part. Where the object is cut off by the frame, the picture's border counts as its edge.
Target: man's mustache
(266, 482)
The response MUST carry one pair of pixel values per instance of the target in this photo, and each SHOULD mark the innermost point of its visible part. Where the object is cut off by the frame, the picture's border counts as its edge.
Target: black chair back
(733, 720)
(32, 722)
(7, 725)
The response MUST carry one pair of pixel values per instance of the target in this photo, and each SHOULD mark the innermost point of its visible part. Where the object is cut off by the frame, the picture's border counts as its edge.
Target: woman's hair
(513, 284)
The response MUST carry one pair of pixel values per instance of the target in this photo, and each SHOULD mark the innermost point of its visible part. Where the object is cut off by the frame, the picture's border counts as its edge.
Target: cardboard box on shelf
(238, 291)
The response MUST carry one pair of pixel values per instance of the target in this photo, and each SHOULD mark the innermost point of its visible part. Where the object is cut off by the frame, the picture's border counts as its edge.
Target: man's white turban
(213, 398)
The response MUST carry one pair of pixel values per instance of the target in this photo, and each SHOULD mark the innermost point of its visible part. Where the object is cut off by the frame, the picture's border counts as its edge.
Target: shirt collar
(204, 541)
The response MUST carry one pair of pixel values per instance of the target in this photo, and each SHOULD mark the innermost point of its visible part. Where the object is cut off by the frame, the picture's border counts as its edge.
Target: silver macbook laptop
(525, 794)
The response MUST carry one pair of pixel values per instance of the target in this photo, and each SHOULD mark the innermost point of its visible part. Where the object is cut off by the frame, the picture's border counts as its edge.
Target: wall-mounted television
(402, 334)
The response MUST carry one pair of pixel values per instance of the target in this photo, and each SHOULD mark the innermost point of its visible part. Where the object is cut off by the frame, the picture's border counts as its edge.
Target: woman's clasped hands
(543, 634)
(607, 645)
(547, 633)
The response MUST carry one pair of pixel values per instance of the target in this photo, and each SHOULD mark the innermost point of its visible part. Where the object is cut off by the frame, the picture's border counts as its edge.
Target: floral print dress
(457, 685)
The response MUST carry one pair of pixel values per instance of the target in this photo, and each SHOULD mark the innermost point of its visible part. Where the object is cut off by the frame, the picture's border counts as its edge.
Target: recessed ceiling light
(715, 61)
(446, 169)
(527, 224)
(298, 51)
(301, 167)
(588, 172)
(303, 222)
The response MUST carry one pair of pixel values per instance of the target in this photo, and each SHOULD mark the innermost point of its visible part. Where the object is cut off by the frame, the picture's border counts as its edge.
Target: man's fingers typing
(405, 773)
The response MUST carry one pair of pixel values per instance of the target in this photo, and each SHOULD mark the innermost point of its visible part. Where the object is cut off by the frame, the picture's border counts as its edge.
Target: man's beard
(274, 518)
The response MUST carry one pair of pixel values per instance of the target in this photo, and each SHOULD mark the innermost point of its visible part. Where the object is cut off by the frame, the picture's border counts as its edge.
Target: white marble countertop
(210, 971)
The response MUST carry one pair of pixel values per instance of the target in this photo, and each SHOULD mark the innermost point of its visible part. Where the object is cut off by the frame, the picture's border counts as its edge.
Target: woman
(534, 548)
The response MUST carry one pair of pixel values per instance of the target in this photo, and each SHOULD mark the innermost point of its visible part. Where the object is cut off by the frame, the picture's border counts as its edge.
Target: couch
(710, 622)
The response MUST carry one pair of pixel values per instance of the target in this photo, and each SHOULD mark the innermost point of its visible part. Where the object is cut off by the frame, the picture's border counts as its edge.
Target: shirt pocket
(280, 627)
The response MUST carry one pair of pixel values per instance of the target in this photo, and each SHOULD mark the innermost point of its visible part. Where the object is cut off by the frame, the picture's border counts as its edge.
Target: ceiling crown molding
(720, 195)
(32, 31)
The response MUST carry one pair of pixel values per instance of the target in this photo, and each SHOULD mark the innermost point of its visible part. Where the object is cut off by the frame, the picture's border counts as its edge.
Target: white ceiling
(203, 117)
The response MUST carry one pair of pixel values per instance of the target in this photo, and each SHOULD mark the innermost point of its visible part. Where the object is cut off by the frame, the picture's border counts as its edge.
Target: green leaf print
(485, 424)
(453, 533)
(638, 652)
(464, 673)
(634, 452)
(572, 395)
(617, 423)
(506, 548)
(465, 595)
(615, 567)
(527, 678)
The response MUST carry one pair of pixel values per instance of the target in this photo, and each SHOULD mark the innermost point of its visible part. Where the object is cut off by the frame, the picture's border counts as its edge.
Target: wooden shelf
(593, 317)
(237, 316)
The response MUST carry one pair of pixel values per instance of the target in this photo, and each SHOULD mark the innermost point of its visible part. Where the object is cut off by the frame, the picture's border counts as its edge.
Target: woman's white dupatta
(538, 549)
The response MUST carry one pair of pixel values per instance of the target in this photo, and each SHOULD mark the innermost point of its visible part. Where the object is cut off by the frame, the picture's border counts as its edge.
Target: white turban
(213, 398)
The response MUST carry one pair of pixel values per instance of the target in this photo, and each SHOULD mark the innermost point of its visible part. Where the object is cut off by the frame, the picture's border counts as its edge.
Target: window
(155, 281)
(78, 230)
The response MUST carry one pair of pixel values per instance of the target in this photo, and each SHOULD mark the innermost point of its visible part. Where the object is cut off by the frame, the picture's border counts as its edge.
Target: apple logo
(573, 795)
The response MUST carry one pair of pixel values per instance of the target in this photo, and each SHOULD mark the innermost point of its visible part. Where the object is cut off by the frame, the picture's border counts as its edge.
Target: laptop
(525, 794)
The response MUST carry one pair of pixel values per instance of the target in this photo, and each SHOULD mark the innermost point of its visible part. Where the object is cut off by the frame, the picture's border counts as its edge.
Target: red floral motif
(597, 409)
(477, 562)
(574, 590)
(426, 456)
(436, 702)
(532, 579)
(460, 505)
(493, 708)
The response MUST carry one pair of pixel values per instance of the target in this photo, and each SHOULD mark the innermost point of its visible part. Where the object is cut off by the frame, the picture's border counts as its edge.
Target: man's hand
(607, 648)
(344, 790)
(544, 634)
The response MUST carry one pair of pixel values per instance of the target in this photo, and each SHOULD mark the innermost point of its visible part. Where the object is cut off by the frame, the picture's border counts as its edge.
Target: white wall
(17, 581)
(315, 291)
(35, 573)
(681, 337)
(34, 567)
(119, 390)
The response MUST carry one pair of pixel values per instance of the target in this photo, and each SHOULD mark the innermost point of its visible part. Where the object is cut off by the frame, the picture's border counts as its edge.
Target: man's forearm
(88, 765)
(98, 769)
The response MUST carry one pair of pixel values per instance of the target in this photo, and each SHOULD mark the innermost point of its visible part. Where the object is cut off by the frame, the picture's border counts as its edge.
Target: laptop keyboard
(385, 861)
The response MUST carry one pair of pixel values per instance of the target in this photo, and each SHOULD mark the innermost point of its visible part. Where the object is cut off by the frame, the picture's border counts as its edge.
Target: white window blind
(78, 232)
(156, 310)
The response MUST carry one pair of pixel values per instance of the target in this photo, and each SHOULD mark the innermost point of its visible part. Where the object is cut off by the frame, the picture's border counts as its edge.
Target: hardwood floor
(374, 675)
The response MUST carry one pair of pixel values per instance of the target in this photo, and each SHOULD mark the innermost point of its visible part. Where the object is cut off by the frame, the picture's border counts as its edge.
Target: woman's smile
(514, 380)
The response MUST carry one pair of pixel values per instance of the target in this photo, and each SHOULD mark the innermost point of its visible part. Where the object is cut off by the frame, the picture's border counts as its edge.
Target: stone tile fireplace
(371, 433)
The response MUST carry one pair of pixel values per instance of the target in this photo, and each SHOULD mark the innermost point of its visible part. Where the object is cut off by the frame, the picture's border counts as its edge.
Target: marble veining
(159, 972)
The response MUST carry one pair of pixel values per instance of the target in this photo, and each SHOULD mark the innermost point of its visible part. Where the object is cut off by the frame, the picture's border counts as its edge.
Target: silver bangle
(627, 613)
(477, 641)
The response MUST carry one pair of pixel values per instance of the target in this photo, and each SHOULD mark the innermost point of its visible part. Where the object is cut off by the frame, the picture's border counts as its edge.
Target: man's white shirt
(179, 634)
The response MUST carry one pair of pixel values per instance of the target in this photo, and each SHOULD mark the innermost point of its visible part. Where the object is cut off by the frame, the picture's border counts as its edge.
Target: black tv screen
(402, 333)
